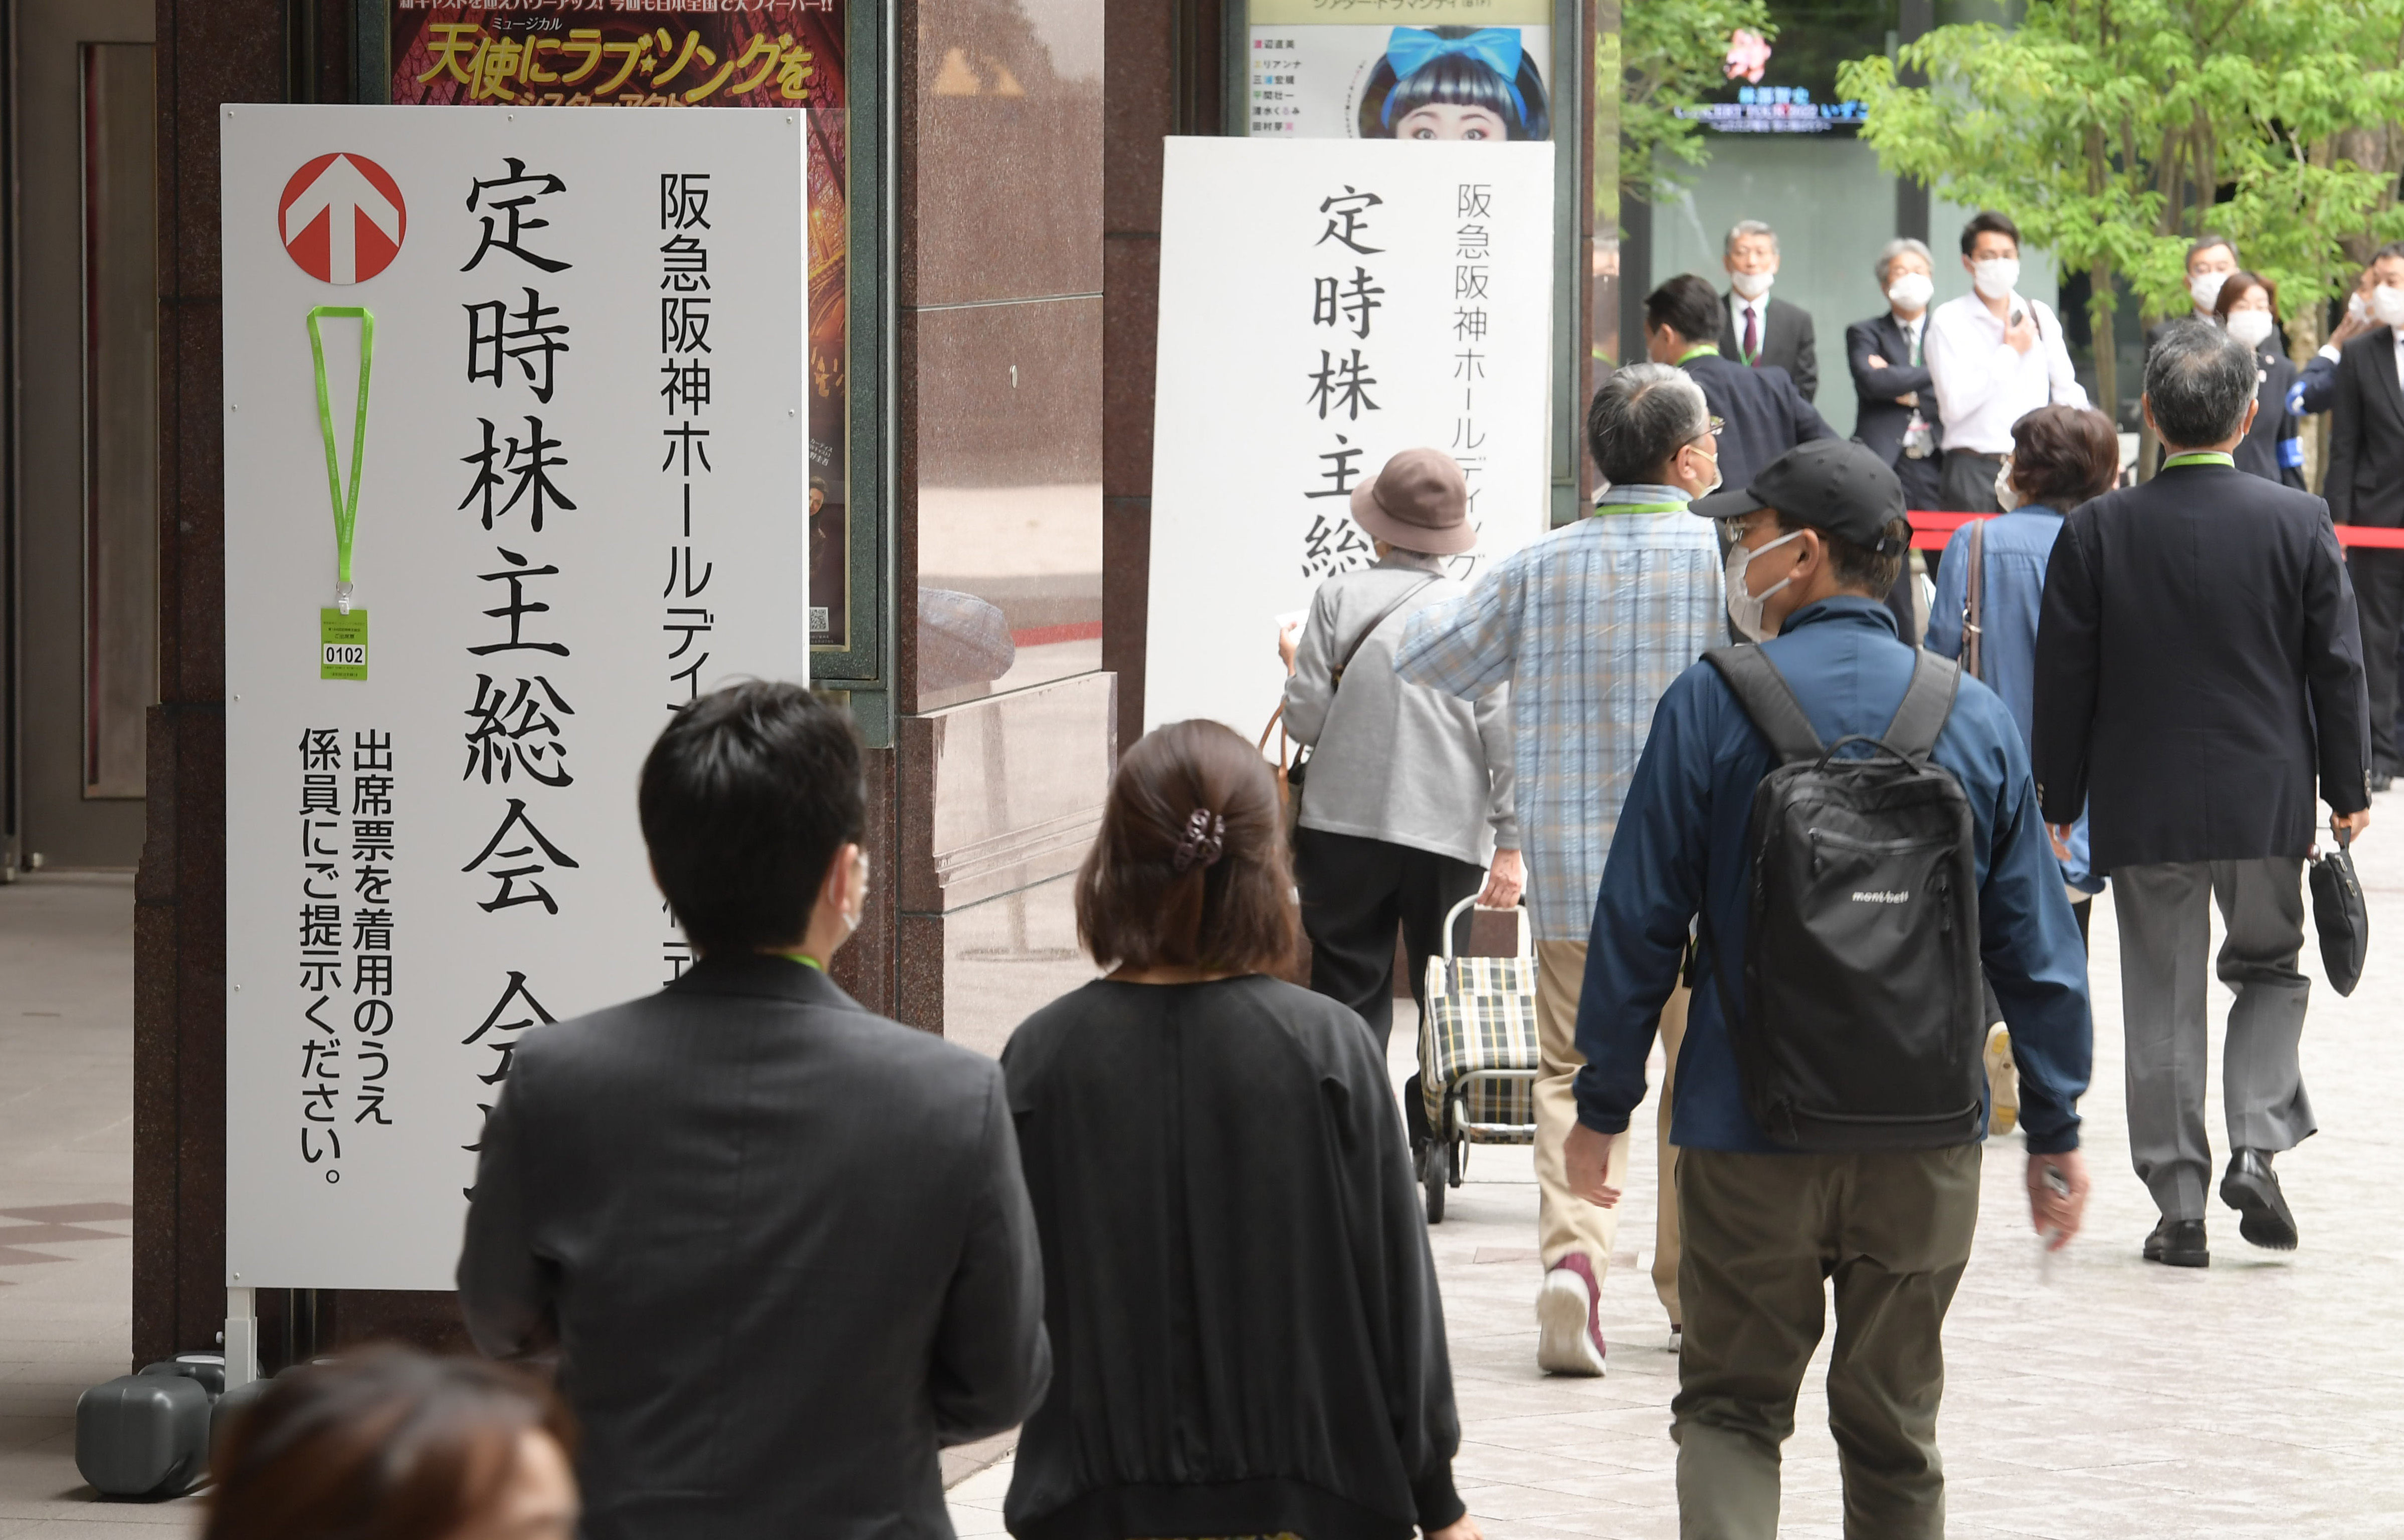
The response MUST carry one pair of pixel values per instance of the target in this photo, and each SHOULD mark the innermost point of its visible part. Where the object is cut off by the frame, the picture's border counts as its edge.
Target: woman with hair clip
(1246, 1334)
(1470, 83)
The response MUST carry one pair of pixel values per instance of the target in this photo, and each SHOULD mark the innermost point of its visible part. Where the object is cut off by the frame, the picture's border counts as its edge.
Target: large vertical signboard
(773, 54)
(514, 467)
(1323, 305)
(1468, 69)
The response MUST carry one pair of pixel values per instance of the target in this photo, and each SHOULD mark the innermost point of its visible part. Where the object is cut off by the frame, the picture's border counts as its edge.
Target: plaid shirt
(1590, 625)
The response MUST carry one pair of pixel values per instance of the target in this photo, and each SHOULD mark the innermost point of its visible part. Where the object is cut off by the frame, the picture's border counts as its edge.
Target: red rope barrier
(1931, 530)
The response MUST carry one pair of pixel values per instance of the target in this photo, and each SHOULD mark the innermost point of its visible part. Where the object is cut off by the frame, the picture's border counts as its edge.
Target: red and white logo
(341, 218)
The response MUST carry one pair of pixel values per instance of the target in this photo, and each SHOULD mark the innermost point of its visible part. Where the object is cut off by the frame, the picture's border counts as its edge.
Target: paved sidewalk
(2108, 1401)
(66, 1187)
(2262, 1397)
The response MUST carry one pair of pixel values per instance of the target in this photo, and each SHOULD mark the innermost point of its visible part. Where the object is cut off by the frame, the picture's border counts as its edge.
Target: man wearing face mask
(1992, 356)
(2315, 388)
(751, 1217)
(1768, 1227)
(1757, 330)
(1897, 418)
(2365, 485)
(1588, 626)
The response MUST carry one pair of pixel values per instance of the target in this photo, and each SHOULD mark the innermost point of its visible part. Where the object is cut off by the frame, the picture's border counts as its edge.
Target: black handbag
(2339, 916)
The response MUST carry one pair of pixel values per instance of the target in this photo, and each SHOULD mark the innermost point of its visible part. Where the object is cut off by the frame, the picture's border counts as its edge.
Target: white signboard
(1323, 304)
(580, 501)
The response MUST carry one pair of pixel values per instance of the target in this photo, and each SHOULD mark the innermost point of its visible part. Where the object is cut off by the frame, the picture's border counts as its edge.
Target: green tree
(2115, 131)
(1672, 54)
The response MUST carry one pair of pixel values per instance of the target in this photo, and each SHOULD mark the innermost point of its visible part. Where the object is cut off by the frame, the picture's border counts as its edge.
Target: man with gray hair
(1896, 417)
(1757, 330)
(2199, 680)
(1588, 626)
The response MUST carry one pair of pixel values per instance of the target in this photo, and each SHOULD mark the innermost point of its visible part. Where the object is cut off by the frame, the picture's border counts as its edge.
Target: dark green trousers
(1764, 1234)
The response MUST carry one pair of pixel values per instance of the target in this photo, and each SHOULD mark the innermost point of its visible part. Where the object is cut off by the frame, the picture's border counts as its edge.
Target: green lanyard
(346, 505)
(2200, 457)
(1699, 349)
(1602, 509)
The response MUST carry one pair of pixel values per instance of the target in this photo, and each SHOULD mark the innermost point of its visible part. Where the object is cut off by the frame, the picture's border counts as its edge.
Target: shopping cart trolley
(1478, 1057)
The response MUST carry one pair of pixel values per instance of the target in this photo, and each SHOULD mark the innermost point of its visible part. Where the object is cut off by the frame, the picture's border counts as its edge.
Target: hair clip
(1204, 839)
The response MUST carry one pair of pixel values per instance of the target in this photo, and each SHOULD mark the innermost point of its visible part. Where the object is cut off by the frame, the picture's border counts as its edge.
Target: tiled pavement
(2264, 1396)
(66, 1182)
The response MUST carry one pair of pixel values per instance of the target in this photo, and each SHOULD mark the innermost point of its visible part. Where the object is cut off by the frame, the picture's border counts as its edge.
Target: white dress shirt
(1760, 311)
(1983, 383)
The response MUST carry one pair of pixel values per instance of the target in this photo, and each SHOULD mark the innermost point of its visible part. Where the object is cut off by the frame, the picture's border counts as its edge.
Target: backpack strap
(1926, 704)
(1768, 701)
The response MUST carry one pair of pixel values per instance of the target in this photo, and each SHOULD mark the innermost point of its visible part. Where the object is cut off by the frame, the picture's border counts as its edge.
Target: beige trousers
(1565, 1222)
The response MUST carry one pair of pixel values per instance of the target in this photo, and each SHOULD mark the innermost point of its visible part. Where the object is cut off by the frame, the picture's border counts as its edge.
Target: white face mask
(2204, 288)
(2250, 326)
(2387, 304)
(2353, 306)
(1752, 286)
(1911, 291)
(1995, 277)
(2007, 495)
(1744, 606)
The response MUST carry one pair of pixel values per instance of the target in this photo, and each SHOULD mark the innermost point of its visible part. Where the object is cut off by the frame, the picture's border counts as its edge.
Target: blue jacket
(1682, 844)
(2016, 547)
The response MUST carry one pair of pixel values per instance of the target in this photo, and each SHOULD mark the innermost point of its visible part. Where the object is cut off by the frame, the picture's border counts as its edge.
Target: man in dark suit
(1896, 419)
(2365, 483)
(1761, 415)
(2199, 680)
(1755, 330)
(781, 1245)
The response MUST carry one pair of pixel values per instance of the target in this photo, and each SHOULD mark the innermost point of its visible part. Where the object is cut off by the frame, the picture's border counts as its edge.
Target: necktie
(1751, 339)
(1913, 331)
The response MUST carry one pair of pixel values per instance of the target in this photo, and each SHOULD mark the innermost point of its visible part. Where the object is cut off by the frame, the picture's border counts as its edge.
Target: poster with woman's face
(1473, 71)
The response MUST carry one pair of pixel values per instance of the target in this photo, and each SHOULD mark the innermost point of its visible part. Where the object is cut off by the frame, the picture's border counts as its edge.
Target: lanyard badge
(343, 631)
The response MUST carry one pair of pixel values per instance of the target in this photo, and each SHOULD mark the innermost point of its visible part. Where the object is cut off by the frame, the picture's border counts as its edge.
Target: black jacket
(2365, 483)
(1235, 1273)
(2272, 449)
(2199, 669)
(784, 1247)
(1762, 417)
(1787, 343)
(1882, 419)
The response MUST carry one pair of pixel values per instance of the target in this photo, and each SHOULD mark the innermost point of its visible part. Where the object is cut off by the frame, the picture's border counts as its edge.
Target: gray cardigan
(1391, 760)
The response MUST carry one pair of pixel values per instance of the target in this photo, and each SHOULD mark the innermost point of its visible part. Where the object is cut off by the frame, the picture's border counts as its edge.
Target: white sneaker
(1569, 1338)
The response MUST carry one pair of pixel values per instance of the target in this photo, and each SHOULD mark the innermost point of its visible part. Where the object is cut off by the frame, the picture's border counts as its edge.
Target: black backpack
(1862, 1027)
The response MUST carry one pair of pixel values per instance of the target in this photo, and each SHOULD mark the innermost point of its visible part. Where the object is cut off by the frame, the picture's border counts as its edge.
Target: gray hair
(1743, 227)
(1642, 416)
(1893, 249)
(2207, 241)
(2198, 379)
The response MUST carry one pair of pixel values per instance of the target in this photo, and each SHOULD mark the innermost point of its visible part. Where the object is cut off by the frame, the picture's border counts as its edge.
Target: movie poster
(1468, 69)
(681, 53)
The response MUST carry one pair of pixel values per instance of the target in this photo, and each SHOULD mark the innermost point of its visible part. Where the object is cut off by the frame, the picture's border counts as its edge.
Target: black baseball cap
(1830, 484)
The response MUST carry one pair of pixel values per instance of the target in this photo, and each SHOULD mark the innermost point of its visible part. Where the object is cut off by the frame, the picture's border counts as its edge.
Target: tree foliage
(1673, 54)
(2115, 131)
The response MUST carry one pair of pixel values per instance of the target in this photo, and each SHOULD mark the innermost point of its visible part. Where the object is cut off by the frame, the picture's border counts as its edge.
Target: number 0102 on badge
(341, 644)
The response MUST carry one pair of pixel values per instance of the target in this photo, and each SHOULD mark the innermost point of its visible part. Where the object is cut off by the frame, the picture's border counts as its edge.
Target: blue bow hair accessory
(1412, 49)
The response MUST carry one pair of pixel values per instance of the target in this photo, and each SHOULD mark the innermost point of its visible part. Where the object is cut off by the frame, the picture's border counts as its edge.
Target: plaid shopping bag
(1481, 1015)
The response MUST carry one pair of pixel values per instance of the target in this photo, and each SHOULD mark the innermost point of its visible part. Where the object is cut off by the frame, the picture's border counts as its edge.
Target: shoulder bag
(1290, 773)
(1974, 609)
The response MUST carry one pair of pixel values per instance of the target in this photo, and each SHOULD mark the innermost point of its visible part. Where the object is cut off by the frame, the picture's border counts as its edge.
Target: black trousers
(1969, 483)
(2379, 600)
(1354, 892)
(1919, 491)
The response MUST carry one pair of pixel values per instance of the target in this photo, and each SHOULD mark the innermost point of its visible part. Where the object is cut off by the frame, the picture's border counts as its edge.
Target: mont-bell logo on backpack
(1904, 897)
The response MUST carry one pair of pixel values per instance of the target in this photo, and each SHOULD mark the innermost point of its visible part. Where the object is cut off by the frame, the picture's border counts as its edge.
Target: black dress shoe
(2178, 1244)
(2380, 780)
(2252, 1189)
